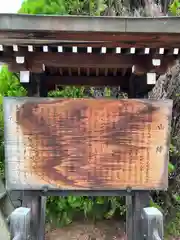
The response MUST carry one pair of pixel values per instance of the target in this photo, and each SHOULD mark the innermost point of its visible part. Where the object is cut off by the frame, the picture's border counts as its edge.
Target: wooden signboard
(87, 143)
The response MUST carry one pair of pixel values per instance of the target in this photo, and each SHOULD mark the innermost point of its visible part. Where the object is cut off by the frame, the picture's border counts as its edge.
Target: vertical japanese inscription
(148, 143)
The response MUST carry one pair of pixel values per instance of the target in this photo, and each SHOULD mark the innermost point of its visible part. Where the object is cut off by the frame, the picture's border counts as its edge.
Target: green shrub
(9, 86)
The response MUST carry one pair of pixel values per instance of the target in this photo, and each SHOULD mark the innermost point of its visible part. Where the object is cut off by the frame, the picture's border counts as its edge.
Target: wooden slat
(87, 143)
(85, 80)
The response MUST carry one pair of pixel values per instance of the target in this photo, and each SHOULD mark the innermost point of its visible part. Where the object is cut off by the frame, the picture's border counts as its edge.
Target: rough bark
(168, 86)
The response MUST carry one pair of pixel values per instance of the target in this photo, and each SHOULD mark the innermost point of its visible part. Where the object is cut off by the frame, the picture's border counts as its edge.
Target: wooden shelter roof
(85, 46)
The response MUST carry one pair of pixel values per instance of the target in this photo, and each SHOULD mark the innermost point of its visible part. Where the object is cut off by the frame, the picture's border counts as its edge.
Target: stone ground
(105, 230)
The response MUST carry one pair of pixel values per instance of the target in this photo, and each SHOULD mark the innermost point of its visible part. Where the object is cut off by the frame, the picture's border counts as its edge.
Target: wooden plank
(87, 143)
(122, 41)
(17, 22)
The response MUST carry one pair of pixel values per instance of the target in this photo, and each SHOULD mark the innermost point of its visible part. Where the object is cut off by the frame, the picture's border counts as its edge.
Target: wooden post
(31, 86)
(43, 90)
(20, 223)
(152, 224)
(42, 218)
(140, 200)
(37, 204)
(129, 218)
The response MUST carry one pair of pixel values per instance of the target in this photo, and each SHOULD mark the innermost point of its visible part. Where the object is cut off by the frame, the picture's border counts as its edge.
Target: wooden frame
(134, 139)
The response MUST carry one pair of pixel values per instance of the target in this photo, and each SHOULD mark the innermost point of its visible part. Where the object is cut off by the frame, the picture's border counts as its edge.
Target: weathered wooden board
(87, 143)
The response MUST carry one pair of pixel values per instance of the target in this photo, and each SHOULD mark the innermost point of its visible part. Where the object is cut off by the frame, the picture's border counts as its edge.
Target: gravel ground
(106, 230)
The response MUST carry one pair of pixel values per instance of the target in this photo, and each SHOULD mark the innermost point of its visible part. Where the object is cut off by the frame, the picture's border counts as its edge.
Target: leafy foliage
(61, 7)
(62, 211)
(68, 92)
(43, 7)
(174, 8)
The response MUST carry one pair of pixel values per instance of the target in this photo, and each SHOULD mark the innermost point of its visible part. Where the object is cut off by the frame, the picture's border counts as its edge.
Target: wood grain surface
(87, 143)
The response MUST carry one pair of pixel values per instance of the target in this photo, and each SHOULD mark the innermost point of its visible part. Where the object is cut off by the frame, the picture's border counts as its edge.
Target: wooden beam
(87, 60)
(140, 200)
(86, 80)
(39, 23)
(142, 64)
(126, 40)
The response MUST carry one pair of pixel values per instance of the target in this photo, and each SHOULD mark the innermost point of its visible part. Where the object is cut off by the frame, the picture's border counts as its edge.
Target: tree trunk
(168, 86)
